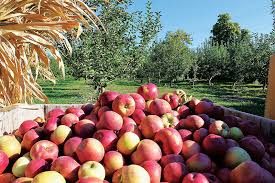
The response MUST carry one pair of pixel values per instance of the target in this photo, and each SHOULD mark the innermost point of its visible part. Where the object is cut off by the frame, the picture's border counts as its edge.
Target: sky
(197, 17)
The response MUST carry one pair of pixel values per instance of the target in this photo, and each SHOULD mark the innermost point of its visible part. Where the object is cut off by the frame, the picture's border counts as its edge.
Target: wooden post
(270, 99)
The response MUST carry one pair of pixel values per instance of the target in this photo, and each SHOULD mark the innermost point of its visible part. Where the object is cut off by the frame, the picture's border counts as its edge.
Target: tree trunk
(171, 82)
(234, 84)
(149, 80)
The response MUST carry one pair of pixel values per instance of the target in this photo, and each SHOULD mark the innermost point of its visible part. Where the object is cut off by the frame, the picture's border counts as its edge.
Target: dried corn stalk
(30, 31)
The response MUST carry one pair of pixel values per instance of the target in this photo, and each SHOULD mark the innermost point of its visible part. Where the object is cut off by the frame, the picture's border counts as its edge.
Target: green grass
(248, 98)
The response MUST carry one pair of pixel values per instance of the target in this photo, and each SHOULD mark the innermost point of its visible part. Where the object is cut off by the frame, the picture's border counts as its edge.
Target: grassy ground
(248, 98)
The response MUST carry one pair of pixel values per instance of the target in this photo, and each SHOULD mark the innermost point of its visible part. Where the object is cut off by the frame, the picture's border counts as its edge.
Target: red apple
(214, 145)
(87, 108)
(23, 180)
(76, 111)
(231, 120)
(169, 120)
(223, 174)
(102, 110)
(249, 127)
(69, 119)
(30, 138)
(159, 107)
(92, 117)
(174, 172)
(35, 167)
(195, 178)
(107, 138)
(106, 98)
(193, 122)
(148, 91)
(138, 116)
(206, 120)
(185, 134)
(90, 149)
(254, 147)
(55, 113)
(7, 178)
(127, 120)
(61, 134)
(199, 163)
(171, 158)
(183, 111)
(44, 149)
(50, 125)
(91, 180)
(124, 105)
(71, 145)
(131, 173)
(193, 102)
(200, 134)
(139, 101)
(146, 150)
(130, 127)
(189, 148)
(231, 143)
(27, 125)
(113, 161)
(169, 140)
(67, 167)
(172, 99)
(211, 178)
(153, 169)
(4, 161)
(176, 114)
(150, 125)
(204, 107)
(110, 120)
(217, 112)
(219, 128)
(84, 128)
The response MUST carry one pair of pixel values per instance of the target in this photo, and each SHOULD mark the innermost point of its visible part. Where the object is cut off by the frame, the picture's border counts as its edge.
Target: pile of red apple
(138, 138)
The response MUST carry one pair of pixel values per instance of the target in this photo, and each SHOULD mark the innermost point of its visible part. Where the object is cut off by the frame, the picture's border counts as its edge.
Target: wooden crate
(12, 117)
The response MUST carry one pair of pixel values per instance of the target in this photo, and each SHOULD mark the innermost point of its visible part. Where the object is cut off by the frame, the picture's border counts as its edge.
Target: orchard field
(248, 97)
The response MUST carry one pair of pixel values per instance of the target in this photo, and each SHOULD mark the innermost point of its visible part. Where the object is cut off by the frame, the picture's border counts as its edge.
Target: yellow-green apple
(18, 168)
(199, 163)
(195, 178)
(49, 177)
(106, 98)
(153, 169)
(183, 111)
(10, 145)
(44, 149)
(214, 145)
(110, 120)
(193, 102)
(138, 116)
(77, 111)
(4, 161)
(67, 167)
(171, 158)
(69, 119)
(131, 174)
(235, 133)
(193, 122)
(113, 161)
(250, 171)
(219, 128)
(148, 91)
(107, 138)
(146, 150)
(90, 149)
(7, 178)
(87, 108)
(185, 134)
(159, 107)
(50, 125)
(27, 125)
(223, 174)
(23, 180)
(253, 146)
(91, 180)
(139, 101)
(124, 105)
(169, 120)
(29, 139)
(235, 156)
(172, 99)
(84, 128)
(150, 125)
(127, 143)
(200, 134)
(91, 169)
(55, 113)
(61, 134)
(204, 107)
(102, 110)
(174, 172)
(71, 145)
(189, 148)
(169, 140)
(130, 127)
(35, 167)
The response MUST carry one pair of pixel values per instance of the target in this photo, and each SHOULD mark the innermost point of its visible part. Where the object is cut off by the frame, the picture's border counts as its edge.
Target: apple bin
(135, 138)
